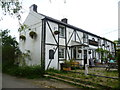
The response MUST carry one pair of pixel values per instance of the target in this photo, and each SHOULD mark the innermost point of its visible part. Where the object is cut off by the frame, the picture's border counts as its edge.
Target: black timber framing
(43, 38)
(99, 43)
(115, 50)
(52, 32)
(68, 54)
(78, 37)
(58, 46)
(70, 37)
(73, 27)
(75, 34)
(65, 43)
(57, 42)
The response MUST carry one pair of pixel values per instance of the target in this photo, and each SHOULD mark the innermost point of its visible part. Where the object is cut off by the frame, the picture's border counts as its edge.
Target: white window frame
(85, 37)
(61, 53)
(62, 31)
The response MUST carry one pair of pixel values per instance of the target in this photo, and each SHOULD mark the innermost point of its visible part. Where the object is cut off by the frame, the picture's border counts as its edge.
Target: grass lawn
(100, 71)
(113, 83)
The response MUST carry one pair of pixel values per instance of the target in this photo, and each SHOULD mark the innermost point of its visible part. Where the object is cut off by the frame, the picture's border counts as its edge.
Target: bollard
(86, 69)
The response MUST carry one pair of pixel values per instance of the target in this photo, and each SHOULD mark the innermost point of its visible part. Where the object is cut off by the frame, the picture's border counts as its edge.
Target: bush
(26, 71)
(9, 47)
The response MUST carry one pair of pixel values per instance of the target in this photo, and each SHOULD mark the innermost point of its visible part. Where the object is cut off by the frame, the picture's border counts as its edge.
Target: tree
(9, 47)
(115, 41)
(11, 7)
(118, 60)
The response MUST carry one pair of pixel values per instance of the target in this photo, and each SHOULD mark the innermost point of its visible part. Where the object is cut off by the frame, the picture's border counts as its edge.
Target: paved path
(13, 82)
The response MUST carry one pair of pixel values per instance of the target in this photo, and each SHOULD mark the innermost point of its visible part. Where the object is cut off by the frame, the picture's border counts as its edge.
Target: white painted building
(70, 42)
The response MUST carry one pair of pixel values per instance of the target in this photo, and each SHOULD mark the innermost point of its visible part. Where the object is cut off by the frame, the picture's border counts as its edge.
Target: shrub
(26, 71)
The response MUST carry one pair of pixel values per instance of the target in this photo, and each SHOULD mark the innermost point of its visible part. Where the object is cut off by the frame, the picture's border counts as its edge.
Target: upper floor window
(85, 38)
(62, 31)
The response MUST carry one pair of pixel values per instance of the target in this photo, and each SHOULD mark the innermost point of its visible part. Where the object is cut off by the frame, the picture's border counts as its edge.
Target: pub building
(56, 41)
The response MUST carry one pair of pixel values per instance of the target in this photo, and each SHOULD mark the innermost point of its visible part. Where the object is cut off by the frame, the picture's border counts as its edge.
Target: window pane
(61, 53)
(62, 31)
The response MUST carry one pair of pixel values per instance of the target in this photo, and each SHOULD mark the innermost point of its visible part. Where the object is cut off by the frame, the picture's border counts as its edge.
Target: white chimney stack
(33, 7)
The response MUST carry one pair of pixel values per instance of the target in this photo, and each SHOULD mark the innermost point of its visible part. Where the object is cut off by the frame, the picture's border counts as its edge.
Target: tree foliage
(9, 47)
(118, 60)
(11, 7)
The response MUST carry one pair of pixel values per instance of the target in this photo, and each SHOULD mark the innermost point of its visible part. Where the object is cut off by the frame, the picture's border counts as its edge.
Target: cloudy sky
(96, 16)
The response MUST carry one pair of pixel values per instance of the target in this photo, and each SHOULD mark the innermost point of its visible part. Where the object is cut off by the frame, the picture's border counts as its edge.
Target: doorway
(74, 52)
(85, 58)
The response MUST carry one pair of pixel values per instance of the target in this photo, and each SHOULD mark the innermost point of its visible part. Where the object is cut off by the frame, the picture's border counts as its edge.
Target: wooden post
(43, 46)
(65, 44)
(86, 69)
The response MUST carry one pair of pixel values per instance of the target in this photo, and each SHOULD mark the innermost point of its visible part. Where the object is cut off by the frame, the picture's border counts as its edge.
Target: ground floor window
(61, 52)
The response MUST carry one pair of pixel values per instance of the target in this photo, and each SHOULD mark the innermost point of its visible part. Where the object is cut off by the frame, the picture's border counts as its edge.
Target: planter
(75, 64)
(98, 63)
(56, 32)
(79, 51)
(103, 44)
(65, 67)
(33, 34)
(22, 37)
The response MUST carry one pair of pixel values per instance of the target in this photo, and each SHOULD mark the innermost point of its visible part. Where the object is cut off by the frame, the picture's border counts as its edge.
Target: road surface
(14, 82)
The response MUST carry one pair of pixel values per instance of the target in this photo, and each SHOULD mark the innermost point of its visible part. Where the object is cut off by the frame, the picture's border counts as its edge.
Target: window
(62, 31)
(85, 38)
(61, 52)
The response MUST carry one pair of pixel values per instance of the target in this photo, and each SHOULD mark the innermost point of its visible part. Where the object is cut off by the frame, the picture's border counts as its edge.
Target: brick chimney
(33, 8)
(64, 20)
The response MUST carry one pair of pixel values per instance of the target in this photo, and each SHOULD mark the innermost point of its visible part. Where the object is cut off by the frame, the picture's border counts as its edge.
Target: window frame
(62, 31)
(85, 38)
(62, 54)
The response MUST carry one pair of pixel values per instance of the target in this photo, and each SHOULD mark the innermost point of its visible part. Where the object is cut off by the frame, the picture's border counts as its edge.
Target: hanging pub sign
(93, 42)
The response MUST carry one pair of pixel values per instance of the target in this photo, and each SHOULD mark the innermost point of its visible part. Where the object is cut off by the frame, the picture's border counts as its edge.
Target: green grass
(113, 83)
(100, 71)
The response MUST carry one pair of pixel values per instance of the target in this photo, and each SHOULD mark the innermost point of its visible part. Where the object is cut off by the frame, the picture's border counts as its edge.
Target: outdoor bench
(111, 66)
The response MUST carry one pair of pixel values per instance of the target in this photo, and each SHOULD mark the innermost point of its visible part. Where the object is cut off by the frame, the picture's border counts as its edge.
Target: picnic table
(111, 66)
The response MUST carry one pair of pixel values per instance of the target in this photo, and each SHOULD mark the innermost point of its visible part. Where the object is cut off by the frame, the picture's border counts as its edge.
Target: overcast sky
(96, 16)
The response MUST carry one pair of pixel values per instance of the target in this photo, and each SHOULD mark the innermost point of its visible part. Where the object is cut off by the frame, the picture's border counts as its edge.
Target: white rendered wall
(54, 62)
(34, 22)
(50, 40)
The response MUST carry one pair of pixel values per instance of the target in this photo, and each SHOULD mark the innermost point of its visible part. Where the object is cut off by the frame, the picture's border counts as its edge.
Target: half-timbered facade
(57, 40)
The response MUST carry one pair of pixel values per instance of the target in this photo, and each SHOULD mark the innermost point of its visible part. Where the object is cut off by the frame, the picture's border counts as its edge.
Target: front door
(74, 53)
(85, 57)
